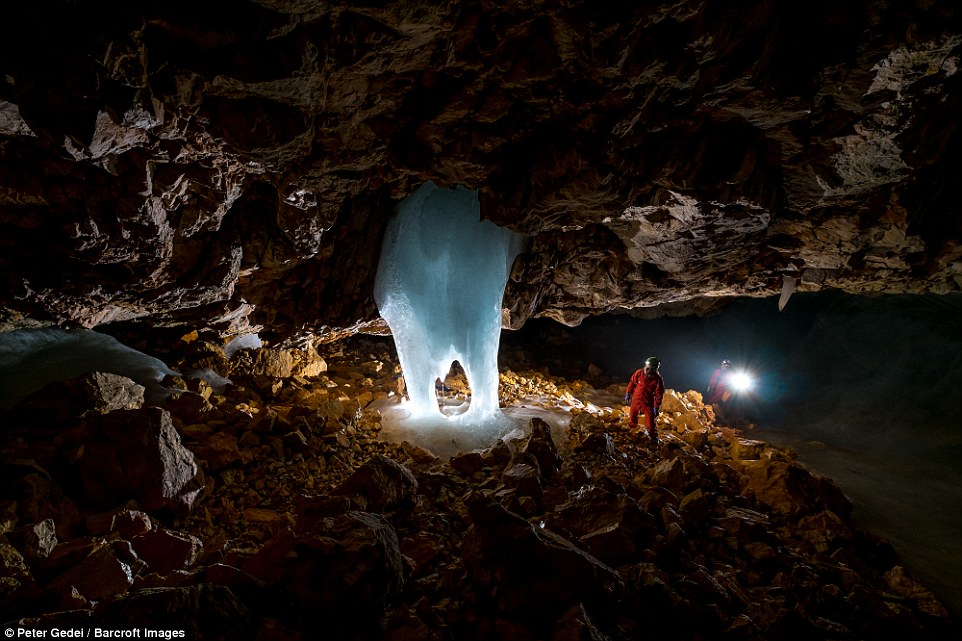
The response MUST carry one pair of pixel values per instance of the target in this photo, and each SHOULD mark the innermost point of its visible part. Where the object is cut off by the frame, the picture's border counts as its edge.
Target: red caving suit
(718, 386)
(646, 392)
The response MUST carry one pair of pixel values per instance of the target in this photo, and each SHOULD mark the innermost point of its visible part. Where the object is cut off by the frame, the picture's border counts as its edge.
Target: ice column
(439, 286)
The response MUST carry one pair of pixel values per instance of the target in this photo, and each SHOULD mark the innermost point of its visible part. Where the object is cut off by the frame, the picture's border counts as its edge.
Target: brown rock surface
(384, 484)
(588, 532)
(529, 571)
(97, 391)
(166, 551)
(137, 454)
(347, 571)
(100, 574)
(235, 167)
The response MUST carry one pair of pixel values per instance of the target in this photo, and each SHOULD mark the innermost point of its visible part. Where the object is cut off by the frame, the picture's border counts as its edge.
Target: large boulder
(541, 445)
(276, 363)
(612, 526)
(38, 498)
(384, 484)
(167, 551)
(137, 454)
(346, 572)
(64, 401)
(530, 572)
(105, 571)
(36, 540)
(787, 487)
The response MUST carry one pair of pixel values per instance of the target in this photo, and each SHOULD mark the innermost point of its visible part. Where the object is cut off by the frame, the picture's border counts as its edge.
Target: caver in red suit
(645, 391)
(718, 385)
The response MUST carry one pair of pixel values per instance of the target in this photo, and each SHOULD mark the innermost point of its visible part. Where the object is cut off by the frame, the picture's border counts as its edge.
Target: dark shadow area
(864, 389)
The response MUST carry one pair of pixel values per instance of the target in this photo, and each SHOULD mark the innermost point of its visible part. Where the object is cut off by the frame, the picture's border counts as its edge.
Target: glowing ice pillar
(439, 286)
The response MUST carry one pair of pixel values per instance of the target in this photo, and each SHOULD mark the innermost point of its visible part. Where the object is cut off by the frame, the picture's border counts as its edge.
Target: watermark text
(93, 633)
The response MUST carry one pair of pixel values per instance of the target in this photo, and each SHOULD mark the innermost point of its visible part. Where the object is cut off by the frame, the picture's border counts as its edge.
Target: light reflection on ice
(439, 286)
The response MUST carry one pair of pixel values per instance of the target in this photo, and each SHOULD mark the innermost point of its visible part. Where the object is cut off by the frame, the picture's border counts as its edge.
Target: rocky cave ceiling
(226, 165)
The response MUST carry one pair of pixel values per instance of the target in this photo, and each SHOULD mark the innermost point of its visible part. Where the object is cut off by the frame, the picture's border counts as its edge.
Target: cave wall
(228, 165)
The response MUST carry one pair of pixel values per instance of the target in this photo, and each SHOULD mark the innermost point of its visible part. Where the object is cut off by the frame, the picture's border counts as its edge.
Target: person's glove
(627, 399)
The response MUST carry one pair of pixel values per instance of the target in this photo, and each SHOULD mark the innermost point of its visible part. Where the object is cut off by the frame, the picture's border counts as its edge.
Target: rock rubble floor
(274, 509)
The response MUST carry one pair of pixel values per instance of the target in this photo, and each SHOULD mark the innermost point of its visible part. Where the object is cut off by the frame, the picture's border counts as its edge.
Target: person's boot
(653, 435)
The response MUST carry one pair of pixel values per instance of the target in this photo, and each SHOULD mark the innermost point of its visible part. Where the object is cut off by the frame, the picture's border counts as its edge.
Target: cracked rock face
(189, 163)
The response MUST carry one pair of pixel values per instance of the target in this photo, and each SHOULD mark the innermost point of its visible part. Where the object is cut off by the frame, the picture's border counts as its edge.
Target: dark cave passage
(863, 388)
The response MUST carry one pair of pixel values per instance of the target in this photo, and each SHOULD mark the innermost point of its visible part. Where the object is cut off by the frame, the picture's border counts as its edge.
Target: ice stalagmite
(439, 286)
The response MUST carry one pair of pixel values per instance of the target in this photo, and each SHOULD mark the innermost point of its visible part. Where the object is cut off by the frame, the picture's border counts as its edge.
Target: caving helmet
(652, 363)
(726, 363)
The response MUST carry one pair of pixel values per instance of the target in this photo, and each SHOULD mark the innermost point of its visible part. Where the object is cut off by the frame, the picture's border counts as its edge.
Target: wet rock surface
(586, 532)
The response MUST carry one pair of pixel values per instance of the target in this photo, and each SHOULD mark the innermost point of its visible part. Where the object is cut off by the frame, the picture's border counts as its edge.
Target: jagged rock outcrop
(97, 391)
(137, 455)
(234, 166)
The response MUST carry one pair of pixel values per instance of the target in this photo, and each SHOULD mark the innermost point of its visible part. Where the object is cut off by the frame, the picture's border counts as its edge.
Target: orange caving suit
(646, 392)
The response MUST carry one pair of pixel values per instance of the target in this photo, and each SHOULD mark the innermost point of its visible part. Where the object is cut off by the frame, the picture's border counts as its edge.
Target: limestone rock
(744, 449)
(166, 551)
(35, 541)
(576, 625)
(383, 483)
(99, 575)
(541, 445)
(125, 522)
(789, 488)
(346, 572)
(679, 473)
(908, 587)
(422, 548)
(39, 498)
(190, 408)
(218, 449)
(612, 526)
(274, 363)
(137, 454)
(524, 478)
(64, 401)
(14, 572)
(468, 463)
(664, 157)
(602, 443)
(540, 575)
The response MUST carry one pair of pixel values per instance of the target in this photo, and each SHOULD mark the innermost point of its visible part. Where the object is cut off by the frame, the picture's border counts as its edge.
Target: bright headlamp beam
(741, 381)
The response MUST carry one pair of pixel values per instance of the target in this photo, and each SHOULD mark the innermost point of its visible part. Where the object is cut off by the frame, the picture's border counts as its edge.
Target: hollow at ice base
(445, 435)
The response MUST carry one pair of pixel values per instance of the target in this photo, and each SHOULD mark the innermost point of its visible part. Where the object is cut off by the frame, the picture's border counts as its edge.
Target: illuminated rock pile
(308, 525)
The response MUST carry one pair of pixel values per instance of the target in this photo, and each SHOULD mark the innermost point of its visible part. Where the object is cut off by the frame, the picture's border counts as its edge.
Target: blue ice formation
(244, 341)
(30, 359)
(33, 358)
(439, 286)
